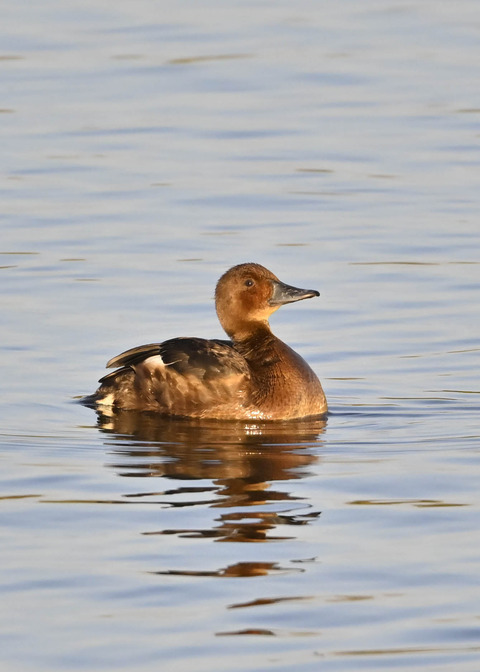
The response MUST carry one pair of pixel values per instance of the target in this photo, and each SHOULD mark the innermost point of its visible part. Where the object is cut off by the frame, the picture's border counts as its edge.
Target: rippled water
(148, 146)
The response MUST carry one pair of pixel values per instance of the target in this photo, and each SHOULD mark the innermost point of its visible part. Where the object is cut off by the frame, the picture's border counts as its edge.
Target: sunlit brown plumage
(253, 376)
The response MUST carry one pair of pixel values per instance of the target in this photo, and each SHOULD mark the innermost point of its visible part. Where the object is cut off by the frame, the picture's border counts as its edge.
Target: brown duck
(253, 376)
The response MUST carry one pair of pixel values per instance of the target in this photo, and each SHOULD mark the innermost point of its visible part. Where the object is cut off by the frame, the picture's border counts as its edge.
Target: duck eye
(249, 283)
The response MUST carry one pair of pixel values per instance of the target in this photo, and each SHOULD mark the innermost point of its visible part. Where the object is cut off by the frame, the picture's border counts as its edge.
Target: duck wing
(183, 376)
(205, 359)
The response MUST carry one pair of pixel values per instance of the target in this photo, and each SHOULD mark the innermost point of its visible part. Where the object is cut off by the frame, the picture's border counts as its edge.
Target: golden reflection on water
(236, 570)
(257, 452)
(419, 503)
(244, 464)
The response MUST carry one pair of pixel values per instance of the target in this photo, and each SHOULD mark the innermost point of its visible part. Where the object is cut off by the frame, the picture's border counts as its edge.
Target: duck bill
(283, 293)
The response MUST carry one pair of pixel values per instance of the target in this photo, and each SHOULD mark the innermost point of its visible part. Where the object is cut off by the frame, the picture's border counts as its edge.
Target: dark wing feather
(115, 375)
(134, 355)
(195, 356)
(203, 358)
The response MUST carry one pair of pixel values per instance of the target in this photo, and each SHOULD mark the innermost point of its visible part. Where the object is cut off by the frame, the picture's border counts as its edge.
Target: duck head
(247, 294)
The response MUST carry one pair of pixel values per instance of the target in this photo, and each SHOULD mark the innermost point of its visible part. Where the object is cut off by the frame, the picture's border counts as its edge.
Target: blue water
(148, 147)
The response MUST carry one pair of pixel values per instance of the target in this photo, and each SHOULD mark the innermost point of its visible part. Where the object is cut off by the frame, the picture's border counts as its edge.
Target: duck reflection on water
(244, 461)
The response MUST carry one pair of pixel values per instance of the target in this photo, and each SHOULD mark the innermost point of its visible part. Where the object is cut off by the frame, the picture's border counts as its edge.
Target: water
(148, 147)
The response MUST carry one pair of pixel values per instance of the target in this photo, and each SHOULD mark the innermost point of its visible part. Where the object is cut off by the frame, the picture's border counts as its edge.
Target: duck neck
(257, 344)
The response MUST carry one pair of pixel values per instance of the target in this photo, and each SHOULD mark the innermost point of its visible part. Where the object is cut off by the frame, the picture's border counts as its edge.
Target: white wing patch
(151, 363)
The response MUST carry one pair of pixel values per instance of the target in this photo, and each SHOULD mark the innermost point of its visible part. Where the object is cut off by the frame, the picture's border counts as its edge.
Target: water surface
(146, 148)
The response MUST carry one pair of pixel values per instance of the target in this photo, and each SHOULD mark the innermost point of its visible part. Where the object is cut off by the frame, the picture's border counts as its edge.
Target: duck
(251, 376)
